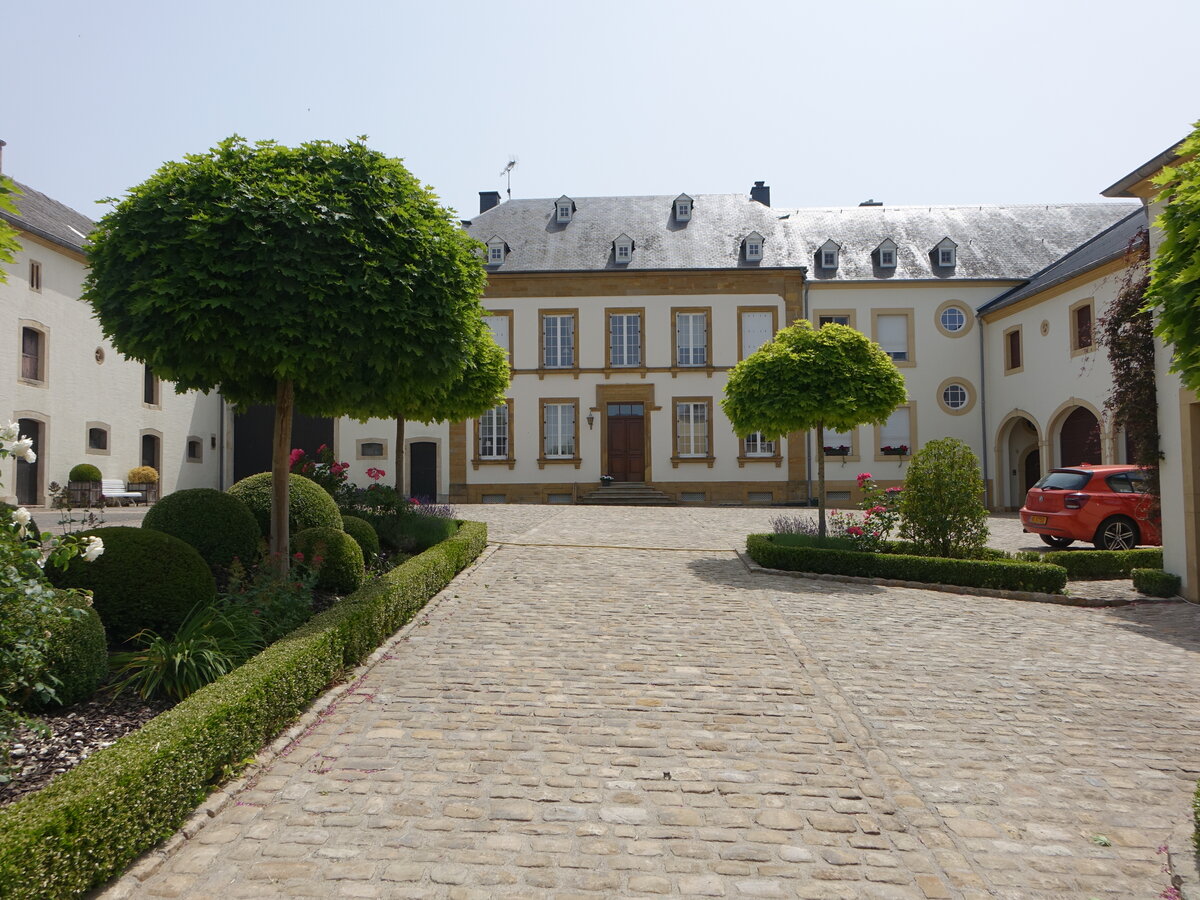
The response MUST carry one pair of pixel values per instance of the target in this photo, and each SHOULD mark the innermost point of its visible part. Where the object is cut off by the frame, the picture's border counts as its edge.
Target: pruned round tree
(806, 378)
(324, 278)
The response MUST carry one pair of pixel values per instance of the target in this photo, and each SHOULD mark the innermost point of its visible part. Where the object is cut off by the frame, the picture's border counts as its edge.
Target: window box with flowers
(839, 450)
(898, 450)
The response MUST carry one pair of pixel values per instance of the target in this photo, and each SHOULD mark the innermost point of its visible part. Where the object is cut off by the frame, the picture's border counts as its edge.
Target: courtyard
(611, 704)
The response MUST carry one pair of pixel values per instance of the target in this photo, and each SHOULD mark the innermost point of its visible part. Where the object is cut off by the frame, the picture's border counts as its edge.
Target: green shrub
(90, 823)
(829, 542)
(308, 504)
(340, 568)
(1093, 565)
(142, 475)
(941, 506)
(276, 606)
(1156, 582)
(909, 548)
(364, 535)
(144, 579)
(220, 526)
(77, 656)
(1012, 576)
(85, 472)
(207, 645)
(413, 532)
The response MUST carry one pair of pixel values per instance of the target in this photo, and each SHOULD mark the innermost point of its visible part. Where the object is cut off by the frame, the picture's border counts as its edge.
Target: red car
(1106, 505)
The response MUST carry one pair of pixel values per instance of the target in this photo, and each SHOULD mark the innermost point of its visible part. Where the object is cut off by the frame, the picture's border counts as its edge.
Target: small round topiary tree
(85, 472)
(144, 579)
(142, 475)
(364, 535)
(77, 656)
(340, 568)
(308, 504)
(218, 525)
(941, 506)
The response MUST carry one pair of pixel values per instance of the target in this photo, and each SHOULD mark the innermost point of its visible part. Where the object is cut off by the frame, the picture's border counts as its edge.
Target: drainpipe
(983, 414)
(221, 444)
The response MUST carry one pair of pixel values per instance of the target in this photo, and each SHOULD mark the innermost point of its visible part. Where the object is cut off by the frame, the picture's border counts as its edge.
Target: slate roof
(994, 242)
(48, 219)
(1108, 245)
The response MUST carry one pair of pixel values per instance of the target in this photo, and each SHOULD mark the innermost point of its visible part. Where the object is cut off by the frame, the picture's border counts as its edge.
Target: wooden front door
(627, 441)
(422, 471)
(29, 475)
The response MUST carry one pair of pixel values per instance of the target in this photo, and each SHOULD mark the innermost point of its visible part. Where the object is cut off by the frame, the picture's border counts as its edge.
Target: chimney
(871, 203)
(761, 192)
(488, 199)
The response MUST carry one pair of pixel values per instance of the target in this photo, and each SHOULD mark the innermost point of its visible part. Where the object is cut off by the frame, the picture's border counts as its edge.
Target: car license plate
(1037, 520)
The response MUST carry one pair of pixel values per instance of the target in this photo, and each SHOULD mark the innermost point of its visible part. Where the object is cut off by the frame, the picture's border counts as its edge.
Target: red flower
(317, 560)
(864, 477)
(854, 530)
(298, 556)
(322, 448)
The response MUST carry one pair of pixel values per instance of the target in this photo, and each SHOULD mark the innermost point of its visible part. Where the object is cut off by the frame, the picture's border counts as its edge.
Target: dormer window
(683, 208)
(564, 208)
(496, 250)
(887, 254)
(623, 249)
(754, 247)
(827, 255)
(946, 253)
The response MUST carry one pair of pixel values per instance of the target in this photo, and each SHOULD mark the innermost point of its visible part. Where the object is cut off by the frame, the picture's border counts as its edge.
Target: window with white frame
(955, 396)
(493, 433)
(757, 445)
(946, 252)
(953, 319)
(558, 430)
(891, 333)
(887, 254)
(838, 443)
(495, 251)
(836, 319)
(897, 431)
(691, 339)
(558, 341)
(691, 428)
(683, 208)
(754, 247)
(563, 209)
(623, 249)
(625, 339)
(828, 254)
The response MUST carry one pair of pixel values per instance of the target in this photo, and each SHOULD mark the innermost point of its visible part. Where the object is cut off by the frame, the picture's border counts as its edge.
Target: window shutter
(756, 331)
(498, 325)
(896, 431)
(892, 334)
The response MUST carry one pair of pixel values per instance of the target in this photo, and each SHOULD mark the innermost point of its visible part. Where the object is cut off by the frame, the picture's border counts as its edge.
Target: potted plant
(839, 450)
(83, 486)
(898, 450)
(145, 480)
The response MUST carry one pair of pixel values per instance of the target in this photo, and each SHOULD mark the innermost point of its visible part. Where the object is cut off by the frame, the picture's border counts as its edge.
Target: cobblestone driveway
(582, 716)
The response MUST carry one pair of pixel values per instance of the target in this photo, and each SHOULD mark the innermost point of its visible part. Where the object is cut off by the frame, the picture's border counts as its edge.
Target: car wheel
(1054, 540)
(1117, 533)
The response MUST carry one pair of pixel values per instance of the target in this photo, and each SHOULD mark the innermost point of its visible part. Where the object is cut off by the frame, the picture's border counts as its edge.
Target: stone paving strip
(574, 721)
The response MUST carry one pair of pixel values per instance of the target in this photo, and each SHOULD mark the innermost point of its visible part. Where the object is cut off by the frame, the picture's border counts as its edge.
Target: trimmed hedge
(1156, 582)
(309, 506)
(84, 472)
(144, 579)
(90, 823)
(364, 535)
(1095, 565)
(1010, 576)
(413, 532)
(220, 526)
(78, 654)
(341, 568)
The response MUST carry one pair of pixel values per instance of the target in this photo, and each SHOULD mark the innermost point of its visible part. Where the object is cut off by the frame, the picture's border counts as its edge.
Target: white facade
(83, 388)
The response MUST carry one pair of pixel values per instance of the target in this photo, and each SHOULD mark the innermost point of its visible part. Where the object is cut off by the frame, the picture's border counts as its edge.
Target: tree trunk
(400, 455)
(820, 480)
(280, 466)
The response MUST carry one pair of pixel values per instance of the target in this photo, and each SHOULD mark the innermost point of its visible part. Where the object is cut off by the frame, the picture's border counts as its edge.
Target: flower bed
(996, 574)
(94, 820)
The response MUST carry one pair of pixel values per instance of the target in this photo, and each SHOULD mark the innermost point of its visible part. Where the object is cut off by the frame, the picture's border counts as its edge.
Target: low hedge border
(90, 823)
(994, 575)
(1099, 565)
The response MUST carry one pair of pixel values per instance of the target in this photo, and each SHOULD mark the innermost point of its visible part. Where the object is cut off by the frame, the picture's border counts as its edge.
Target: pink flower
(375, 474)
(854, 531)
(414, 501)
(876, 509)
(893, 490)
(322, 448)
(298, 556)
(863, 478)
(296, 454)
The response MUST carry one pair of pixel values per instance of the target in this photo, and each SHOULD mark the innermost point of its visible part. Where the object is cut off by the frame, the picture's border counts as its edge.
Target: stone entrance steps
(626, 493)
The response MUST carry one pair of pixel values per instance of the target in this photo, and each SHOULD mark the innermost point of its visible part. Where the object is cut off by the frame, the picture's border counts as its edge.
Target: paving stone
(822, 739)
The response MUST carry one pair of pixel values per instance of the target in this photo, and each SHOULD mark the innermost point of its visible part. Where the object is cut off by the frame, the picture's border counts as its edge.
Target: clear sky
(829, 103)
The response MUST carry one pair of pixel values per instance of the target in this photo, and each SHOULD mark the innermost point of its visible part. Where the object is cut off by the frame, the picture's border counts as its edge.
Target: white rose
(21, 518)
(95, 547)
(30, 456)
(21, 447)
(9, 432)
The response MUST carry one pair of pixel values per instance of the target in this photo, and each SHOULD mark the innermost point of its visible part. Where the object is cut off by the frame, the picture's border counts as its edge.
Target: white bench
(114, 489)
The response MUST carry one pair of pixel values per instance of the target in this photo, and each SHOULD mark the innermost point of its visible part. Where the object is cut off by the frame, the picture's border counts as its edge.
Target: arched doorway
(1019, 459)
(1079, 438)
(1032, 470)
(29, 475)
(422, 471)
(152, 452)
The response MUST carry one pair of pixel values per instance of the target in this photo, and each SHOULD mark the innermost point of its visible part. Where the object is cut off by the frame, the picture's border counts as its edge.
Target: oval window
(955, 396)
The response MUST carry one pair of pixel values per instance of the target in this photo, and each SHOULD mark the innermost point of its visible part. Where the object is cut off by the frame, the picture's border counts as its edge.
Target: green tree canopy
(1174, 290)
(806, 378)
(8, 234)
(324, 277)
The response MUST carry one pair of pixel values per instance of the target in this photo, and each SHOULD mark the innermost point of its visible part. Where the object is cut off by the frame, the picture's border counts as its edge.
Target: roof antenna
(507, 171)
